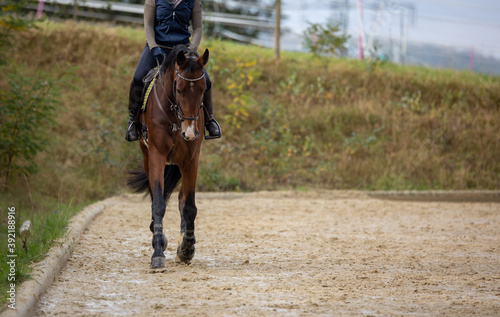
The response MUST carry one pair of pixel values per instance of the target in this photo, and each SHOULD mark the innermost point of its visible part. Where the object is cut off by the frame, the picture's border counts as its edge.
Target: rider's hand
(158, 54)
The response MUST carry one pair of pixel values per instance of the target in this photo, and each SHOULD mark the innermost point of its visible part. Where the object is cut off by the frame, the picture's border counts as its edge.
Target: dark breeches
(148, 62)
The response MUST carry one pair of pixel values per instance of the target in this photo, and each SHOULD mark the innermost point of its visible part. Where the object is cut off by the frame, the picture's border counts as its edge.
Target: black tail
(172, 177)
(138, 181)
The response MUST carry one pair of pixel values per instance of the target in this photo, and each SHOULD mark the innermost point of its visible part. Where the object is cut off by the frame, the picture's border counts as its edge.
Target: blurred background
(454, 34)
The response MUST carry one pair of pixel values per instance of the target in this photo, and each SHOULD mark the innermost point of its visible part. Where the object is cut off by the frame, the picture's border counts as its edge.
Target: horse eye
(178, 91)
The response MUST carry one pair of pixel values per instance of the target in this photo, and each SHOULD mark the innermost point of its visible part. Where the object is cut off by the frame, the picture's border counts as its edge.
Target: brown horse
(171, 146)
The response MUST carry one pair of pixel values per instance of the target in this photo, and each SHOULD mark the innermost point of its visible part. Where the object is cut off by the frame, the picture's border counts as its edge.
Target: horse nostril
(190, 133)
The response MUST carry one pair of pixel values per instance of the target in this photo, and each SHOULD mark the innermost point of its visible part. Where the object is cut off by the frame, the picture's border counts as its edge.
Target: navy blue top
(172, 25)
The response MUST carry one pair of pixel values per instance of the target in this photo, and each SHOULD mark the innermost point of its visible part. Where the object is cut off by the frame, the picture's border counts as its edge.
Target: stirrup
(208, 136)
(128, 137)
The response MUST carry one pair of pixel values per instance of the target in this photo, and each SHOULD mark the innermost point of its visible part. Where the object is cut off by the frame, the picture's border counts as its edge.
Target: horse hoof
(185, 256)
(178, 260)
(158, 262)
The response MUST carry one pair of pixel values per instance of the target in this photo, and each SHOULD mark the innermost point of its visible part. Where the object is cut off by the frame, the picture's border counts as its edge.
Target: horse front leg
(156, 164)
(188, 211)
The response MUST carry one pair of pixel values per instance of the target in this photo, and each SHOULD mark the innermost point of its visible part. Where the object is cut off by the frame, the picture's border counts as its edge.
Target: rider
(166, 24)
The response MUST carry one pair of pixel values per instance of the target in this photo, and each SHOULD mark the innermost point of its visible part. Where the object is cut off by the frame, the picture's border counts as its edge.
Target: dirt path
(289, 254)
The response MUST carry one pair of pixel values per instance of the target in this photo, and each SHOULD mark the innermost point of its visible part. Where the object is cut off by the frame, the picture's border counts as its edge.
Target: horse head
(189, 88)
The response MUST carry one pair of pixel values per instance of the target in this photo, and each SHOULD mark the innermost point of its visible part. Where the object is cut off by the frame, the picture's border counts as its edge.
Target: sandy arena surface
(288, 254)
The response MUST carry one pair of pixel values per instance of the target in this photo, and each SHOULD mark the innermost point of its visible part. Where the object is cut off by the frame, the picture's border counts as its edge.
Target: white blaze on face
(189, 132)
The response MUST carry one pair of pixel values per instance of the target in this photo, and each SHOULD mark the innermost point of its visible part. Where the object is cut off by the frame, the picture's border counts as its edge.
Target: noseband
(178, 110)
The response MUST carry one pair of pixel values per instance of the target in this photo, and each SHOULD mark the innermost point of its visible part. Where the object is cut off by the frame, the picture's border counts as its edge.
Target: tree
(325, 39)
(27, 111)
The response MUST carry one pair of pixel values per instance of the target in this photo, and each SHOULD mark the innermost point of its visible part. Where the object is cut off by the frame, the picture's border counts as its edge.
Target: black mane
(171, 59)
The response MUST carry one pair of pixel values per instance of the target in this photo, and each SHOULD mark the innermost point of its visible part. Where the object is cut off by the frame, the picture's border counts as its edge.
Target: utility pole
(277, 30)
(361, 30)
(75, 9)
(404, 36)
(39, 11)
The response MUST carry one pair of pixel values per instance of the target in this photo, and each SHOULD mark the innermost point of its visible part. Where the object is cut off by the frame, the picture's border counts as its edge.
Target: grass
(348, 124)
(303, 122)
(49, 220)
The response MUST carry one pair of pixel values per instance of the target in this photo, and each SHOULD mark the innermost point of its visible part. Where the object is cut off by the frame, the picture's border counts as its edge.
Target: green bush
(28, 110)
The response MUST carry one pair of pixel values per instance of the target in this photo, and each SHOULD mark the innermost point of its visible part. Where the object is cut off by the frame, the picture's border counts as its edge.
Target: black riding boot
(134, 102)
(211, 125)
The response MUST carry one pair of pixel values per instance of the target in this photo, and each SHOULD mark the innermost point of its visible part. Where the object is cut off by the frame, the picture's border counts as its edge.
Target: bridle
(188, 79)
(175, 107)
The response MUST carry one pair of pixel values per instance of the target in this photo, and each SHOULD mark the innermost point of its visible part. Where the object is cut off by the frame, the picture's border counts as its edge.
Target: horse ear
(204, 58)
(181, 58)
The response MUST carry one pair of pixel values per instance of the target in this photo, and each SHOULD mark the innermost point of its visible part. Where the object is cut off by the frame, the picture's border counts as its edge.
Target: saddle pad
(149, 82)
(147, 93)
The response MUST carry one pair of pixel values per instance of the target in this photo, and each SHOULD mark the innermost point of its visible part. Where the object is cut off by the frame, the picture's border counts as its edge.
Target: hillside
(302, 122)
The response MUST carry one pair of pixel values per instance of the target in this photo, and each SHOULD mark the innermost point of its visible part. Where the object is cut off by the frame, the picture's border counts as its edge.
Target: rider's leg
(134, 102)
(211, 124)
(146, 63)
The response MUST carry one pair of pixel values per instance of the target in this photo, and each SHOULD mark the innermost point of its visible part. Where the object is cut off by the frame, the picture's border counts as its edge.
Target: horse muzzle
(190, 132)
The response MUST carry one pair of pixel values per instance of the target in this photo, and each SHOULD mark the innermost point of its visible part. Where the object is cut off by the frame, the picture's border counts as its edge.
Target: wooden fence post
(277, 30)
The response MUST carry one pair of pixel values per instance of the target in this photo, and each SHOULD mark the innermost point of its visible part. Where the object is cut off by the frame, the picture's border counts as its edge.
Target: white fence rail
(114, 11)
